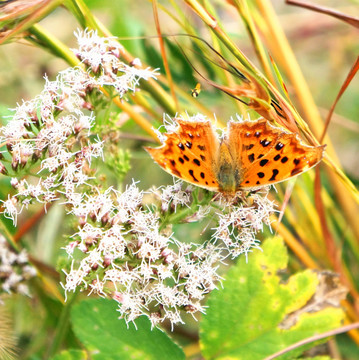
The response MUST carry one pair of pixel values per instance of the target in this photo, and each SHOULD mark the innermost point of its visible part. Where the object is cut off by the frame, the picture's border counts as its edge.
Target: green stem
(8, 236)
(49, 42)
(179, 216)
(184, 212)
(83, 14)
(62, 326)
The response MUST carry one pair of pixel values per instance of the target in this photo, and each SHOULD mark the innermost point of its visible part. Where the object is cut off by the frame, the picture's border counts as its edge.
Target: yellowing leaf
(246, 320)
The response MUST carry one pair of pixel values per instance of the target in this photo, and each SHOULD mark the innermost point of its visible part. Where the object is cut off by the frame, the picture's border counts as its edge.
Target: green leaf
(71, 355)
(96, 324)
(243, 319)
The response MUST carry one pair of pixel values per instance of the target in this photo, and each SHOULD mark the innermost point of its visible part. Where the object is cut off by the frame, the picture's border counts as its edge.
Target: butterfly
(249, 155)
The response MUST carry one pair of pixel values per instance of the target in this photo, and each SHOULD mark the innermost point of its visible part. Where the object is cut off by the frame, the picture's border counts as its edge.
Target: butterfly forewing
(249, 141)
(287, 157)
(190, 153)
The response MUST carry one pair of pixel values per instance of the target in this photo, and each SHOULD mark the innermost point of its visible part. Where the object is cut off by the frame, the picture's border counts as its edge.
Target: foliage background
(325, 49)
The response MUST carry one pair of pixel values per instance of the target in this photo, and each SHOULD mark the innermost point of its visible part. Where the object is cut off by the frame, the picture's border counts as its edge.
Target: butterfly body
(250, 155)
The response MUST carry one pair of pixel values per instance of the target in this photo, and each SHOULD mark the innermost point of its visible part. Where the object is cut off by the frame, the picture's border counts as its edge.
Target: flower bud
(3, 169)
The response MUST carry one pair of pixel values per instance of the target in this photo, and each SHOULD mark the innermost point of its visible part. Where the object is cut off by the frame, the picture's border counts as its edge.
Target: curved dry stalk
(314, 338)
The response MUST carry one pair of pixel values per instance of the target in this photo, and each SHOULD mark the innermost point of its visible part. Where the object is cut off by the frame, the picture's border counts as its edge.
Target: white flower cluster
(238, 225)
(55, 127)
(145, 270)
(102, 56)
(172, 196)
(14, 270)
(34, 133)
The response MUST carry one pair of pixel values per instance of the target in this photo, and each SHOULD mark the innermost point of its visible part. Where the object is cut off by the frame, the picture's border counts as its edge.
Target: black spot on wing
(263, 162)
(197, 162)
(192, 174)
(275, 173)
(265, 142)
(251, 157)
(276, 158)
(279, 146)
(284, 159)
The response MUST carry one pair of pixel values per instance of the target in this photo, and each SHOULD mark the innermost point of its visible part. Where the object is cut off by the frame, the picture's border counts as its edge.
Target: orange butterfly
(250, 155)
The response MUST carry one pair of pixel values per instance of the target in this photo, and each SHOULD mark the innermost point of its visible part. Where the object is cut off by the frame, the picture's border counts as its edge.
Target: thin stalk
(247, 18)
(83, 14)
(136, 117)
(8, 236)
(163, 53)
(213, 24)
(289, 62)
(294, 245)
(62, 327)
(55, 46)
(32, 19)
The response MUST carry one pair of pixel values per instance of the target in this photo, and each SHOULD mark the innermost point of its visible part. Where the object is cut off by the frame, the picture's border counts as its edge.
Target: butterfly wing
(190, 153)
(268, 155)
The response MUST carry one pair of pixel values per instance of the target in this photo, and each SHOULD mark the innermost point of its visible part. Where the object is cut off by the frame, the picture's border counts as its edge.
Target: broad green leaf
(96, 324)
(71, 355)
(243, 319)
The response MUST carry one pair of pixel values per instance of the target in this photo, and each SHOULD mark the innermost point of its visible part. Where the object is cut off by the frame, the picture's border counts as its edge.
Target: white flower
(113, 246)
(174, 195)
(15, 129)
(164, 271)
(73, 279)
(70, 248)
(97, 287)
(11, 209)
